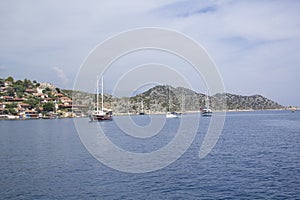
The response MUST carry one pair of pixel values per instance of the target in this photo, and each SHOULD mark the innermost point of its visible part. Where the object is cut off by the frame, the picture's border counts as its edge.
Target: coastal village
(25, 99)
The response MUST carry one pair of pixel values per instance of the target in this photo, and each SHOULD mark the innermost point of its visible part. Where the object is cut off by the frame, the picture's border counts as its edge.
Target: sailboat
(182, 112)
(100, 115)
(142, 112)
(170, 114)
(206, 112)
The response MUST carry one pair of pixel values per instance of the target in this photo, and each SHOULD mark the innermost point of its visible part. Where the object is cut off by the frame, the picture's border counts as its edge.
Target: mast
(97, 94)
(169, 98)
(102, 93)
(182, 103)
(207, 102)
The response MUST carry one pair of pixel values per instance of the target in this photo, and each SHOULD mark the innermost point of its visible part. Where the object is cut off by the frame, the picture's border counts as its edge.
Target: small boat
(171, 115)
(206, 112)
(142, 112)
(9, 117)
(103, 114)
(50, 116)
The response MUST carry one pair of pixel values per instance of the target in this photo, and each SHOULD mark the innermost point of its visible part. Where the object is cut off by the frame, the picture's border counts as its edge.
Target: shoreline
(12, 117)
(191, 112)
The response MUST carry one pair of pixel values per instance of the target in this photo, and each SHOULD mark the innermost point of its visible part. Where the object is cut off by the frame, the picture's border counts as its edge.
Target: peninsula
(26, 99)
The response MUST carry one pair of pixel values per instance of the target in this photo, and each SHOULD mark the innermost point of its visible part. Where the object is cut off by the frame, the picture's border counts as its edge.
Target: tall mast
(182, 103)
(102, 93)
(207, 102)
(169, 98)
(97, 94)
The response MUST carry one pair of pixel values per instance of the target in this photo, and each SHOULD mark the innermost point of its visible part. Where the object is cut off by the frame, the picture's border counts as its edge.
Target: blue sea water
(256, 157)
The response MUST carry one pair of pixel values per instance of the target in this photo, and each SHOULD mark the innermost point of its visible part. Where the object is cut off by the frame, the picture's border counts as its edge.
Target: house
(45, 85)
(20, 110)
(59, 95)
(7, 83)
(2, 89)
(30, 91)
(47, 99)
(31, 114)
(66, 101)
(15, 99)
(64, 106)
(24, 105)
(40, 95)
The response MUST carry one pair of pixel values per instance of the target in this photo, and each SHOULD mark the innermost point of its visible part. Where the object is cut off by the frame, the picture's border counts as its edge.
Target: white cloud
(250, 37)
(61, 75)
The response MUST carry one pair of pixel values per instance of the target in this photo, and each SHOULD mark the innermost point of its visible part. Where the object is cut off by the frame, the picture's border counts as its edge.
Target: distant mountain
(163, 98)
(189, 100)
(254, 102)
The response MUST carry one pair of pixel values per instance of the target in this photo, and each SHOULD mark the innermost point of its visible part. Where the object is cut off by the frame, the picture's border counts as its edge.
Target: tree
(32, 102)
(12, 111)
(11, 105)
(57, 90)
(2, 82)
(20, 89)
(27, 83)
(19, 82)
(10, 79)
(10, 92)
(47, 89)
(49, 106)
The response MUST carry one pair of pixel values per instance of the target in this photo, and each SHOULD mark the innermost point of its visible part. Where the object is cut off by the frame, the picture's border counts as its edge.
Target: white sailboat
(182, 105)
(170, 114)
(142, 111)
(206, 112)
(99, 115)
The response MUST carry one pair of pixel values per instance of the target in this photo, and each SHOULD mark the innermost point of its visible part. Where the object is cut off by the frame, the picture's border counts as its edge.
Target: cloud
(250, 37)
(61, 75)
(2, 68)
(185, 9)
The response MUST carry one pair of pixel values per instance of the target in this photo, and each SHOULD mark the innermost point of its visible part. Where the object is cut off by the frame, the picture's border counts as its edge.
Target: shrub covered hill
(165, 98)
(18, 97)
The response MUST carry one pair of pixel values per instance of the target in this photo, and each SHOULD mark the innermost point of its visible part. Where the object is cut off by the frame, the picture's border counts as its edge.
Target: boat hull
(171, 115)
(95, 117)
(206, 112)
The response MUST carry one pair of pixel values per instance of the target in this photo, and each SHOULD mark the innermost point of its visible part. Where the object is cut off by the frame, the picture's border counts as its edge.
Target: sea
(257, 156)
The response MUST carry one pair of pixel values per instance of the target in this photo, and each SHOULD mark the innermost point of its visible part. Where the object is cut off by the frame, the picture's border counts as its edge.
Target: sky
(254, 44)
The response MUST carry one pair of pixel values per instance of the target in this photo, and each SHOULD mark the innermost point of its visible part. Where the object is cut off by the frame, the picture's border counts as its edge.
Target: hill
(26, 99)
(163, 98)
(30, 99)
